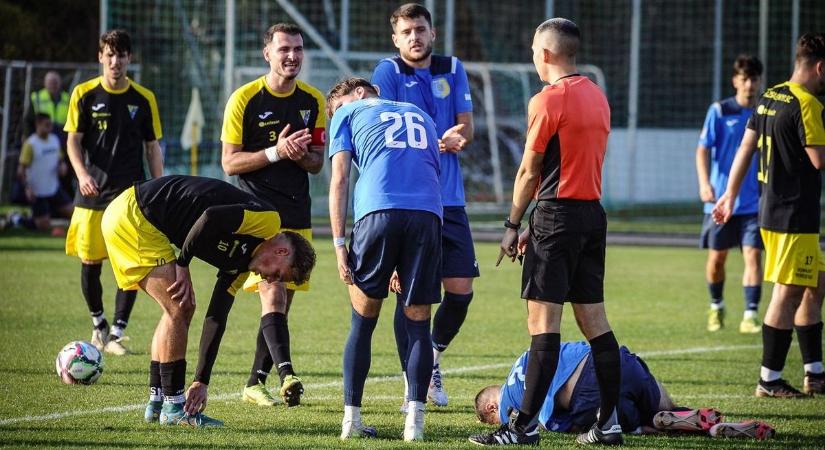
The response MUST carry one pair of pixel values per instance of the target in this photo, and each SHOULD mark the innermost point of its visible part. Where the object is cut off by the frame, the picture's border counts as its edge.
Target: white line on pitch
(228, 395)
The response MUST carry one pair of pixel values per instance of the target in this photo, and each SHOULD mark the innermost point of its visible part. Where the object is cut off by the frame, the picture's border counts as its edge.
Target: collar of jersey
(116, 91)
(278, 94)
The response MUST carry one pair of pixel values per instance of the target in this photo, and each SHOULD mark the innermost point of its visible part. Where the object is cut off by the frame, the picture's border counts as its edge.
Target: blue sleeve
(707, 138)
(340, 132)
(462, 99)
(385, 78)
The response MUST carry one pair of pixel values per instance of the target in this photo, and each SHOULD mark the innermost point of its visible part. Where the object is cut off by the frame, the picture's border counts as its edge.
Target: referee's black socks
(607, 362)
(541, 367)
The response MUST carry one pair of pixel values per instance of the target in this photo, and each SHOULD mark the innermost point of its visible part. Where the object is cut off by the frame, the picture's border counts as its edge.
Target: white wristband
(339, 241)
(272, 154)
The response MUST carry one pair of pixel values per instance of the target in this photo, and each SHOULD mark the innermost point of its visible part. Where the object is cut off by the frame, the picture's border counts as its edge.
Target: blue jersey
(722, 133)
(395, 148)
(512, 391)
(442, 91)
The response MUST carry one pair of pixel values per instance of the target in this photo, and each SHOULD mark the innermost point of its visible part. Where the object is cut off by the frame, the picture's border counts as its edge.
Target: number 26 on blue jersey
(412, 121)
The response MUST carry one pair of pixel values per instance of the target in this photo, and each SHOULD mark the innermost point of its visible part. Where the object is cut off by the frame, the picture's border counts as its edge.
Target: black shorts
(48, 206)
(397, 239)
(565, 253)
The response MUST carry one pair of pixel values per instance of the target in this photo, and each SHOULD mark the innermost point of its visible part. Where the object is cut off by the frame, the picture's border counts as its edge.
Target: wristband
(272, 154)
(339, 241)
(511, 225)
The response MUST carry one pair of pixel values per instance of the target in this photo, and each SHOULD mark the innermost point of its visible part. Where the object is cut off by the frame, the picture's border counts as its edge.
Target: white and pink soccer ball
(79, 362)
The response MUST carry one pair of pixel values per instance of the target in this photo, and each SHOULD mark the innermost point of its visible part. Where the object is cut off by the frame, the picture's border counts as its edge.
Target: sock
(608, 364)
(124, 302)
(769, 375)
(100, 322)
(155, 387)
(276, 332)
(419, 359)
(357, 357)
(406, 386)
(716, 292)
(436, 357)
(541, 367)
(399, 326)
(262, 362)
(173, 379)
(810, 345)
(775, 346)
(815, 368)
(352, 414)
(752, 296)
(92, 292)
(750, 314)
(449, 317)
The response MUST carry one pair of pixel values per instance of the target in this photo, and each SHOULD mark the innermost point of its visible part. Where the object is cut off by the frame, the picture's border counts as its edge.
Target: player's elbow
(228, 168)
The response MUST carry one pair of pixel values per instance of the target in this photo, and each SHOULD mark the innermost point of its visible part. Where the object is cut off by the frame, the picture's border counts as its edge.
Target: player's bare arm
(289, 146)
(85, 182)
(154, 157)
(816, 154)
(457, 137)
(338, 194)
(527, 178)
(724, 206)
(313, 159)
(706, 193)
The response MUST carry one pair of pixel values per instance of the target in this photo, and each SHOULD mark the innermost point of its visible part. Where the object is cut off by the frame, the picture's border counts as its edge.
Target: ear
(491, 408)
(265, 52)
(282, 251)
(100, 57)
(395, 40)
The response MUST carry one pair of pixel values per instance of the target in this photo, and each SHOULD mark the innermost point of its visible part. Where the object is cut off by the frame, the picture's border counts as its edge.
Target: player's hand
(293, 146)
(706, 193)
(452, 141)
(181, 290)
(723, 210)
(30, 197)
(508, 245)
(343, 267)
(88, 185)
(395, 283)
(196, 398)
(522, 241)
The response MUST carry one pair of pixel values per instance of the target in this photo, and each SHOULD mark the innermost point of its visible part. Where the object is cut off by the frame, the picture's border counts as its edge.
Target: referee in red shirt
(564, 245)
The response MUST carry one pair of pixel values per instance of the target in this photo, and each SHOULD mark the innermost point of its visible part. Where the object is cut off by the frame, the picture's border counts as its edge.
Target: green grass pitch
(656, 301)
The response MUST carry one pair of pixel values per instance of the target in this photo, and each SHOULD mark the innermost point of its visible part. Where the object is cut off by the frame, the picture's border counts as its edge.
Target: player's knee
(417, 312)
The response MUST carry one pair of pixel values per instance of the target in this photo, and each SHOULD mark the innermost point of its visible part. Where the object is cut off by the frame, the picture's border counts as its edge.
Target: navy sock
(262, 363)
(752, 296)
(276, 332)
(775, 346)
(810, 342)
(91, 287)
(357, 356)
(173, 380)
(399, 325)
(124, 302)
(449, 317)
(716, 291)
(608, 364)
(541, 367)
(420, 358)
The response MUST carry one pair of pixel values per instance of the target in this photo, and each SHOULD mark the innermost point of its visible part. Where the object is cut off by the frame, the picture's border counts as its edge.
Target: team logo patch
(133, 109)
(441, 88)
(305, 116)
(98, 107)
(264, 115)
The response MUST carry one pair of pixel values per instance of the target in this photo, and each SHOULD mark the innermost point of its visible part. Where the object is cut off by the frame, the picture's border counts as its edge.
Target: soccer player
(273, 137)
(41, 162)
(721, 135)
(564, 249)
(572, 402)
(787, 129)
(208, 219)
(397, 227)
(112, 123)
(438, 85)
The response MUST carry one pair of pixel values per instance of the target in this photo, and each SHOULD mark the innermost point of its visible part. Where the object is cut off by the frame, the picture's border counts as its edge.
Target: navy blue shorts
(47, 206)
(739, 231)
(638, 397)
(458, 256)
(398, 239)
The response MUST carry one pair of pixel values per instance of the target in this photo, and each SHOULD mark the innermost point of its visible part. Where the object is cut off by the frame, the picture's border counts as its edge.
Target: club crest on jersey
(441, 88)
(133, 109)
(305, 116)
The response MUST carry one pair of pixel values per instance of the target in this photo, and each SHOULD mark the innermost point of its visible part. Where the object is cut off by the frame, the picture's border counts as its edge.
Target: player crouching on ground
(205, 218)
(572, 402)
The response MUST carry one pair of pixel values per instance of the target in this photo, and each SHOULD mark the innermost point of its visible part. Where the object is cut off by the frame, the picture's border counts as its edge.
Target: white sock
(769, 375)
(814, 367)
(97, 320)
(750, 314)
(406, 386)
(415, 413)
(352, 414)
(716, 306)
(436, 357)
(116, 331)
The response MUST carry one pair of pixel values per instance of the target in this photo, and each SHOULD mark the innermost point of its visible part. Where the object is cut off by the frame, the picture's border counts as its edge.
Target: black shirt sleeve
(216, 220)
(214, 324)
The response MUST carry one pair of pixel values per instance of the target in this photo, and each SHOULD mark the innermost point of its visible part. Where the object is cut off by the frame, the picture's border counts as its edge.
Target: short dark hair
(410, 11)
(810, 48)
(283, 27)
(117, 39)
(747, 65)
(567, 32)
(345, 87)
(39, 117)
(303, 256)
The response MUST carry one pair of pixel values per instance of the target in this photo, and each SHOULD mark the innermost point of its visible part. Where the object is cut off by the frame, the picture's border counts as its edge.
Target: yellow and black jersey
(207, 218)
(787, 119)
(254, 117)
(115, 124)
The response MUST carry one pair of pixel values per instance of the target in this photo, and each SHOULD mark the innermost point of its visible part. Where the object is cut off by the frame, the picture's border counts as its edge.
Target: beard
(427, 52)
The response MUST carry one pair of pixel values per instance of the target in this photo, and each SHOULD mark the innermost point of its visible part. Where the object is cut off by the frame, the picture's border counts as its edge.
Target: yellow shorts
(251, 283)
(84, 238)
(135, 246)
(792, 258)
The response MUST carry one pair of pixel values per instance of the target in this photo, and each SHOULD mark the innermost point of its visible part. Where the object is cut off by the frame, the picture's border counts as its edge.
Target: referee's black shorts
(564, 260)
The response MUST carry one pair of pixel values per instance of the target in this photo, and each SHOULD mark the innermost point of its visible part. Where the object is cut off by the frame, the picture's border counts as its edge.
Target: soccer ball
(79, 362)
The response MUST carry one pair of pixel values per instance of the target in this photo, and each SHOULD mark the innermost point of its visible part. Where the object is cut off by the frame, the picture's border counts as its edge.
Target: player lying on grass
(205, 218)
(572, 403)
